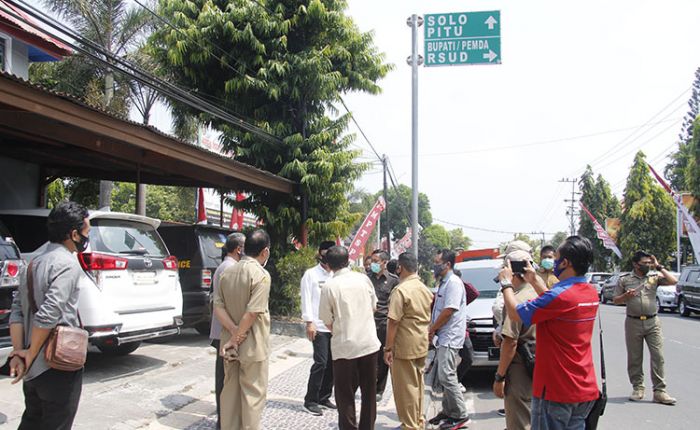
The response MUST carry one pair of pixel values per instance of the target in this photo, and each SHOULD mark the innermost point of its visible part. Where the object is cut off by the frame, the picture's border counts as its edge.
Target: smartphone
(518, 266)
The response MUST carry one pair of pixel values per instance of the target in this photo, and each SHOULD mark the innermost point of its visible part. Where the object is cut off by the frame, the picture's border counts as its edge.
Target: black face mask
(644, 269)
(83, 244)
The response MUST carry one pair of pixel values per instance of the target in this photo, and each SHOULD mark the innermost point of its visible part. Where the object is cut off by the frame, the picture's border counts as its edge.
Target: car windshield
(599, 278)
(125, 237)
(212, 242)
(8, 251)
(482, 279)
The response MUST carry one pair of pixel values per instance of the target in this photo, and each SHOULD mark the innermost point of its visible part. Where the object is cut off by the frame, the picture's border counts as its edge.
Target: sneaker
(327, 404)
(313, 409)
(663, 398)
(454, 423)
(501, 412)
(437, 418)
(637, 395)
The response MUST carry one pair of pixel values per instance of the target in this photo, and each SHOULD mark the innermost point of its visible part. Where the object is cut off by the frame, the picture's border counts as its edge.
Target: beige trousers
(244, 394)
(408, 387)
(636, 333)
(518, 392)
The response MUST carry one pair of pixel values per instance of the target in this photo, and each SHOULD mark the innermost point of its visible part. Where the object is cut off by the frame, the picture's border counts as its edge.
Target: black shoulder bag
(599, 405)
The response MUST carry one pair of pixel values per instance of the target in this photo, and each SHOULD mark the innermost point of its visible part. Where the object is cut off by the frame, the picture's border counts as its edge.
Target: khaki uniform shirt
(645, 302)
(547, 277)
(245, 287)
(514, 329)
(347, 307)
(409, 304)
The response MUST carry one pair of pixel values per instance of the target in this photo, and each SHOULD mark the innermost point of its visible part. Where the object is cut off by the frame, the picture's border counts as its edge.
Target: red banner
(358, 242)
(601, 233)
(403, 244)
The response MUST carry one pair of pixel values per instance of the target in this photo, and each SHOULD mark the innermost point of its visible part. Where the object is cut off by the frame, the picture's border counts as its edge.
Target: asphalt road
(160, 380)
(682, 355)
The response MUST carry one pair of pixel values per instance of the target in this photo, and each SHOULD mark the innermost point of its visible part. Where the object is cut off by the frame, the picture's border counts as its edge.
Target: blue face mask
(375, 267)
(547, 263)
(557, 270)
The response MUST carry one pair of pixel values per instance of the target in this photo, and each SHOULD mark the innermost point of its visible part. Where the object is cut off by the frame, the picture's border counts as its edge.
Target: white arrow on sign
(490, 56)
(491, 22)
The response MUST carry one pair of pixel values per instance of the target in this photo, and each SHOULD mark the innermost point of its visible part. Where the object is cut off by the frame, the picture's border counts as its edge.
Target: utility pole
(385, 224)
(543, 238)
(571, 211)
(415, 60)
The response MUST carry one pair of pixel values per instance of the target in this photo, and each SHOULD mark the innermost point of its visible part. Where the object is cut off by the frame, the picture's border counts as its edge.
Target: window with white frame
(3, 54)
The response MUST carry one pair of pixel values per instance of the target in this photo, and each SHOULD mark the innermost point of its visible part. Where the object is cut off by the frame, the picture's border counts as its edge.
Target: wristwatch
(499, 378)
(506, 284)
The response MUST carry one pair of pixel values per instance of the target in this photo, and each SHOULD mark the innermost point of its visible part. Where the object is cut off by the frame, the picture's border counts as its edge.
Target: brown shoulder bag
(66, 347)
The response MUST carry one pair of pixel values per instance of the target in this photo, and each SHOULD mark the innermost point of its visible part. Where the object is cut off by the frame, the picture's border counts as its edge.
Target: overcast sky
(577, 83)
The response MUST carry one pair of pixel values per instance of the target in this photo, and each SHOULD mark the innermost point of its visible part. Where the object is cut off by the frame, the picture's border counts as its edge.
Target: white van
(132, 289)
(481, 325)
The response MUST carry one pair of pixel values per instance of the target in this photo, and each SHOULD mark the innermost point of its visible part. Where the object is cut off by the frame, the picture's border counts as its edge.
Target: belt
(642, 317)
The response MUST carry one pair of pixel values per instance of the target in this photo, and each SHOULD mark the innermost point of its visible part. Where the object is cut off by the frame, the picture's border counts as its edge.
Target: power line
(133, 71)
(488, 230)
(542, 142)
(352, 117)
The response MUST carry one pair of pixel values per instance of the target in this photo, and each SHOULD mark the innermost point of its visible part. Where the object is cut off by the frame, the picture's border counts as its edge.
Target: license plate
(494, 353)
(144, 277)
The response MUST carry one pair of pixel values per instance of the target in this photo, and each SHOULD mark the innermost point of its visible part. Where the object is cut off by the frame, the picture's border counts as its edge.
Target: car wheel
(120, 350)
(203, 328)
(683, 308)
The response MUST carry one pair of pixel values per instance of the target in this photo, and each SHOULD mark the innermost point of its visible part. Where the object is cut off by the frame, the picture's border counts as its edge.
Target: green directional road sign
(453, 39)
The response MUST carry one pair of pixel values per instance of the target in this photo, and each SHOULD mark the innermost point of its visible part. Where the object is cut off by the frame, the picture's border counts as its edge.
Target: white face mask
(268, 257)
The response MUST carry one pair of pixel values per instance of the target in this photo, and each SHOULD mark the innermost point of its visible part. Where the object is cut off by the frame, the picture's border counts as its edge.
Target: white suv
(132, 291)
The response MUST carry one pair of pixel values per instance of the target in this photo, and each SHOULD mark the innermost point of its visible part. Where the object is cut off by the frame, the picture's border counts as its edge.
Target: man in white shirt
(320, 387)
(347, 308)
(234, 249)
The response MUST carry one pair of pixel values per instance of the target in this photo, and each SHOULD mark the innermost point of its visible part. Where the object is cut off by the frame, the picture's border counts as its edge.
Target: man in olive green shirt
(513, 380)
(241, 306)
(638, 291)
(407, 341)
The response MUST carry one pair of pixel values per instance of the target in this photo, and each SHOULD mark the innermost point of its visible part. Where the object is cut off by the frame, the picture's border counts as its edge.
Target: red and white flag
(365, 231)
(691, 226)
(237, 214)
(603, 235)
(403, 244)
(199, 208)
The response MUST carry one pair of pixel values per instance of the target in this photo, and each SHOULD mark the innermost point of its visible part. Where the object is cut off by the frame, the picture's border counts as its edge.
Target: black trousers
(218, 379)
(349, 375)
(382, 368)
(51, 400)
(320, 385)
(467, 356)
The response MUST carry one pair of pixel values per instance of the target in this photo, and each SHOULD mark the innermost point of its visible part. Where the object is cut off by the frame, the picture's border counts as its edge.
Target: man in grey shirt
(448, 325)
(234, 250)
(51, 396)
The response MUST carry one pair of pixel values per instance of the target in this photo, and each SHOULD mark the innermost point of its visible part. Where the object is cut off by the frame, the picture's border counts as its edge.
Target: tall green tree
(437, 235)
(117, 27)
(693, 169)
(282, 65)
(600, 201)
(399, 200)
(558, 239)
(167, 203)
(677, 169)
(458, 240)
(648, 221)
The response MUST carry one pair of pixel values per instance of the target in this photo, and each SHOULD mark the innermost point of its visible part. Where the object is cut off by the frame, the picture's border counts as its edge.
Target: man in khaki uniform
(546, 269)
(407, 342)
(241, 305)
(638, 291)
(513, 381)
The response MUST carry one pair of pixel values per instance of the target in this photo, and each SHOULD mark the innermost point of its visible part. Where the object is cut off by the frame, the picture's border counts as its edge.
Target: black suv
(688, 288)
(10, 267)
(199, 251)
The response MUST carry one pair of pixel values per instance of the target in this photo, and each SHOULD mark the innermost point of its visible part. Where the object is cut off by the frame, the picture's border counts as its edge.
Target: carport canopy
(68, 138)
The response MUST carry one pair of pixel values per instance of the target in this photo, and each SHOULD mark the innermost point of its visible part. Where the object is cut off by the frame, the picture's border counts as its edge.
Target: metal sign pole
(415, 60)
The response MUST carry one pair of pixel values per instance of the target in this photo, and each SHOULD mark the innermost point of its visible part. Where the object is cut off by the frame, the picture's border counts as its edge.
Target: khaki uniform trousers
(518, 396)
(244, 394)
(408, 387)
(636, 333)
